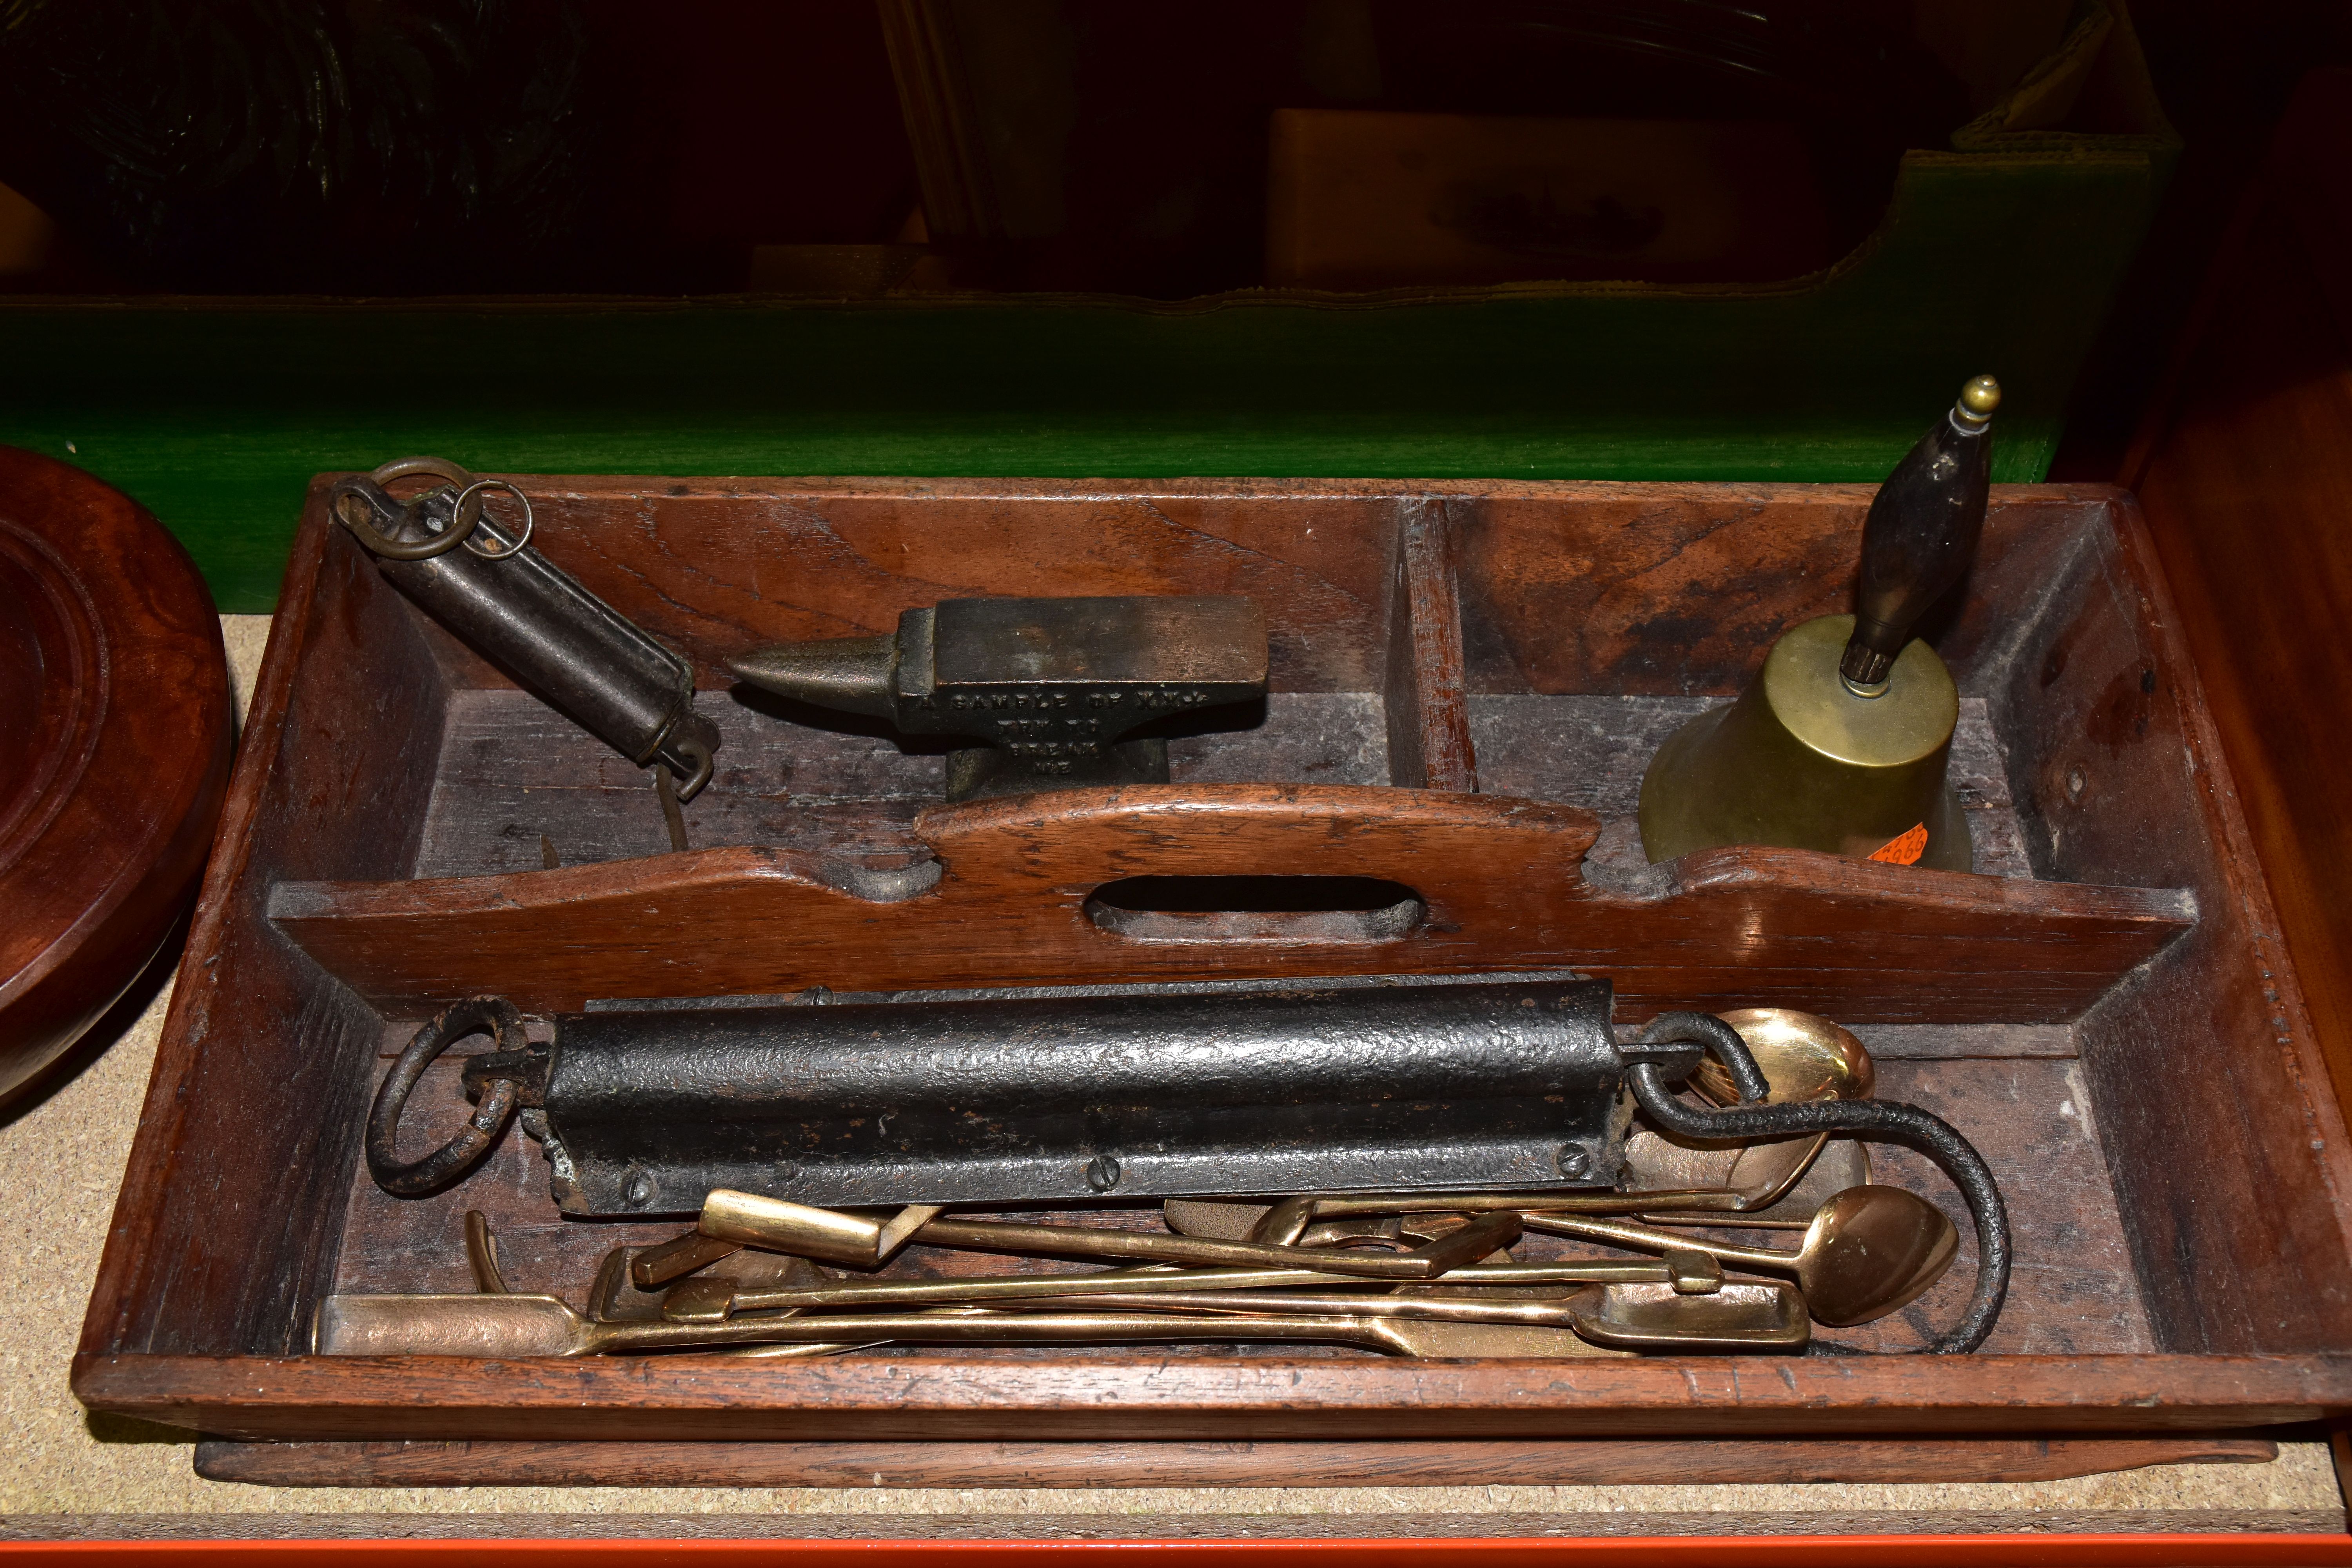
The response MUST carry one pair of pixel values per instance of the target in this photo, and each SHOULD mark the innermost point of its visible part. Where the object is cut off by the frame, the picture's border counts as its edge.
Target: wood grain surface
(241, 1164)
(1175, 1394)
(2228, 1144)
(2245, 472)
(1543, 1461)
(1428, 720)
(1500, 879)
(510, 771)
(114, 715)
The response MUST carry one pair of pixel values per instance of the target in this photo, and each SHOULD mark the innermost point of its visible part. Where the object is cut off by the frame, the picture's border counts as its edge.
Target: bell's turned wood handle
(1921, 534)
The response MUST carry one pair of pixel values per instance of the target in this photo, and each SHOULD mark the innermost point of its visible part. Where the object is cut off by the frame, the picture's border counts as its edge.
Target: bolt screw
(639, 1191)
(1103, 1173)
(1574, 1162)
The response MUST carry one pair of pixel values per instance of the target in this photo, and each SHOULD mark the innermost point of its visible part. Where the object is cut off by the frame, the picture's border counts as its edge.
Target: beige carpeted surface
(63, 1473)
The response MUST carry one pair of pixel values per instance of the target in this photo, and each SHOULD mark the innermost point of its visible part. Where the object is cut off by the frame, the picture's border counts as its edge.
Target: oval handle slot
(1256, 909)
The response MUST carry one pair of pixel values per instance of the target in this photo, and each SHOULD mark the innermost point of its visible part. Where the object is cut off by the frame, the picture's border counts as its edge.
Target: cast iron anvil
(1049, 685)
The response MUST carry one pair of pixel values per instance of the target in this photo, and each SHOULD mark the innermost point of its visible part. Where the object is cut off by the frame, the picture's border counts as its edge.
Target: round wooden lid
(115, 730)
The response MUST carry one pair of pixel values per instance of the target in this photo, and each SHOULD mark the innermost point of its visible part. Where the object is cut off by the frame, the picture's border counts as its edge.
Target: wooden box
(1467, 681)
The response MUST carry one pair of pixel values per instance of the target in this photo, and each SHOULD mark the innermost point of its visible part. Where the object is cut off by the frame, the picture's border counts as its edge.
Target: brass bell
(1840, 742)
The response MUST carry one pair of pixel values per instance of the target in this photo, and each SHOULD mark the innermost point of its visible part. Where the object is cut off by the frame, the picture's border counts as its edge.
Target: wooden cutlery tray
(1467, 680)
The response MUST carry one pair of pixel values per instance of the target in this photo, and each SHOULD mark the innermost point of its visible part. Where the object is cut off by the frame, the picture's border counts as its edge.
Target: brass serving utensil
(1554, 1314)
(482, 1255)
(1686, 1272)
(1399, 1233)
(615, 1297)
(784, 1226)
(507, 1326)
(610, 1297)
(1484, 1342)
(1839, 1163)
(1745, 1317)
(1236, 1219)
(716, 1300)
(1285, 1222)
(1488, 1233)
(1212, 1220)
(1748, 1318)
(1388, 1232)
(1803, 1056)
(676, 1258)
(1869, 1251)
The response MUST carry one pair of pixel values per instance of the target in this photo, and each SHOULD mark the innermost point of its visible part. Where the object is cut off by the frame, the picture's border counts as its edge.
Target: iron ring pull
(1906, 1125)
(414, 1179)
(462, 524)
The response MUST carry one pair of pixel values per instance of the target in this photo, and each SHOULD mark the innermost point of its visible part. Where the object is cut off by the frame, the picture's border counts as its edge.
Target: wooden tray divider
(1500, 880)
(1428, 716)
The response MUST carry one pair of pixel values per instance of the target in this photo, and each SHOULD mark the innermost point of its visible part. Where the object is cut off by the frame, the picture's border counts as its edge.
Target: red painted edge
(2189, 1550)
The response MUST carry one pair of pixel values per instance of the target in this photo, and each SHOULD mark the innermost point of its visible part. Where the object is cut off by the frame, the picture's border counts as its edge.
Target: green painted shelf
(216, 411)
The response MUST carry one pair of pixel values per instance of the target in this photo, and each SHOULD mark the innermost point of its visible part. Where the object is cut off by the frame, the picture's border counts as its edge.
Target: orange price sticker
(1905, 851)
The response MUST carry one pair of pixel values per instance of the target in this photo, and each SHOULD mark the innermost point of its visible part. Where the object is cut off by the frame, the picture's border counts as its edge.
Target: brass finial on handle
(1978, 398)
(1920, 533)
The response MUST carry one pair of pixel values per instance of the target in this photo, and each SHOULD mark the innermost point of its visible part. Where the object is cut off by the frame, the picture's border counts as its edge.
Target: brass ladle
(1803, 1056)
(1869, 1251)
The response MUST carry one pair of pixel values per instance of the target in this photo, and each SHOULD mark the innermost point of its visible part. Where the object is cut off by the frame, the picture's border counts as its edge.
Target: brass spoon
(1868, 1252)
(1803, 1056)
